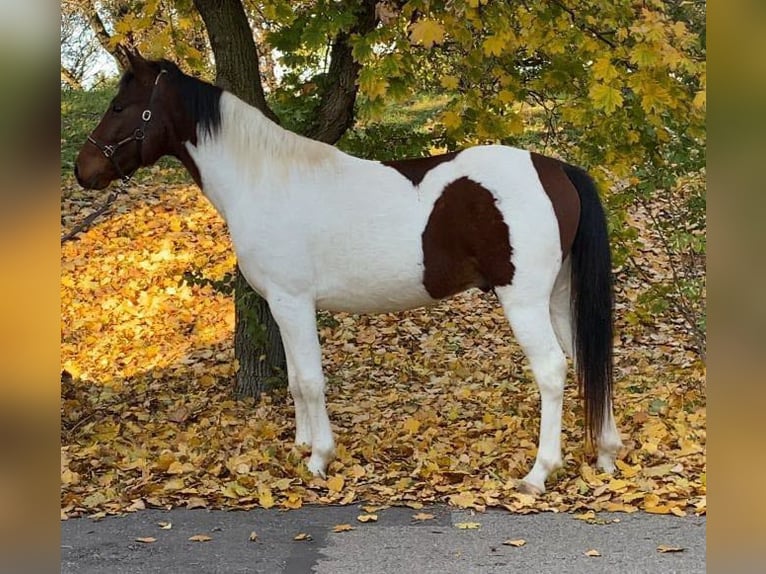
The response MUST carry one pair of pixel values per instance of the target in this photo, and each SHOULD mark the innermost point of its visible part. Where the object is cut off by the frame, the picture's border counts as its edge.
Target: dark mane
(201, 99)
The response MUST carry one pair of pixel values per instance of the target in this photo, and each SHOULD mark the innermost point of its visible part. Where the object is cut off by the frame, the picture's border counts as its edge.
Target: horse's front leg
(302, 422)
(296, 318)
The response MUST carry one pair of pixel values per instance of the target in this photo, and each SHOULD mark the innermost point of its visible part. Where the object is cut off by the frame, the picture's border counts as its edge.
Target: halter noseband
(138, 135)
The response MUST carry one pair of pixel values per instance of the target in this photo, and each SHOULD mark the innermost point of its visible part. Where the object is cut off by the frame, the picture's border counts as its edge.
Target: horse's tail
(592, 304)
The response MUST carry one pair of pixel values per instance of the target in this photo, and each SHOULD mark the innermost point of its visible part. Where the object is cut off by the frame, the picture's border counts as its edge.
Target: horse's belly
(372, 281)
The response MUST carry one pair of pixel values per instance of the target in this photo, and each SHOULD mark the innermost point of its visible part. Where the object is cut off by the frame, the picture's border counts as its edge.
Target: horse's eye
(117, 108)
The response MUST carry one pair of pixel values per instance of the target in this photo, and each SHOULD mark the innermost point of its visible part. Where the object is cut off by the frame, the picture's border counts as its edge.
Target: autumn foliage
(428, 405)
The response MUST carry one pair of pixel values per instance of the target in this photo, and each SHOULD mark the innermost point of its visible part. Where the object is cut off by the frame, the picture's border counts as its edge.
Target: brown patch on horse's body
(563, 196)
(416, 169)
(465, 242)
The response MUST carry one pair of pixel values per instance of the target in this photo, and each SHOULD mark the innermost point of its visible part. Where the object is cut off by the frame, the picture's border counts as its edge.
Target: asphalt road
(396, 543)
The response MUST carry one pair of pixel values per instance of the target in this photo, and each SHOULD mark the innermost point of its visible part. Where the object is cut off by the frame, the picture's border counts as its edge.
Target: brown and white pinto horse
(315, 228)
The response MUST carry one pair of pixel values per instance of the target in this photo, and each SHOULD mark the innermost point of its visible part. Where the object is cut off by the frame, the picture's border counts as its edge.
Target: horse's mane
(201, 99)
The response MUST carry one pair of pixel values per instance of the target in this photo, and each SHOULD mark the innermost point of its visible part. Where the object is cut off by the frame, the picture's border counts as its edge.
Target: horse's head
(135, 131)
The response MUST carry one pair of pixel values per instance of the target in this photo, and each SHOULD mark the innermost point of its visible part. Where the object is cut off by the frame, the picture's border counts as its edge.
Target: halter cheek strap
(138, 135)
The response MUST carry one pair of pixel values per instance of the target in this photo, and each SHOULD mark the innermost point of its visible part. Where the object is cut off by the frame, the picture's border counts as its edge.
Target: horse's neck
(249, 155)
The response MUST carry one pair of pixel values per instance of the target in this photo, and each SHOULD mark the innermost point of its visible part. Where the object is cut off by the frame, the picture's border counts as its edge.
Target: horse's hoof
(317, 469)
(606, 466)
(525, 487)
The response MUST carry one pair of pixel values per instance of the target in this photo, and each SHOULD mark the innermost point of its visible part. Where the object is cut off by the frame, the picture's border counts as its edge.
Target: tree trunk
(257, 344)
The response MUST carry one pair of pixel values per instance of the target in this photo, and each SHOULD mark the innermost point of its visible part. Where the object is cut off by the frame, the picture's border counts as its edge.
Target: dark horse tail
(592, 304)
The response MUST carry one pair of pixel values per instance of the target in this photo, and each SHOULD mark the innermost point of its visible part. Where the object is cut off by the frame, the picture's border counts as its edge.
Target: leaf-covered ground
(427, 405)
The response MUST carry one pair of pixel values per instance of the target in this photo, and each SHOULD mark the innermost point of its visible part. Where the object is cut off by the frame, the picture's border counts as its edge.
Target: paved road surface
(555, 543)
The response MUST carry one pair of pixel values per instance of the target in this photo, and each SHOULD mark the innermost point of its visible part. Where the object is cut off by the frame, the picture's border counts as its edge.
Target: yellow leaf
(335, 483)
(467, 525)
(506, 97)
(302, 536)
(451, 120)
(517, 543)
(422, 516)
(253, 536)
(493, 45)
(617, 485)
(426, 32)
(700, 100)
(663, 548)
(463, 499)
(412, 425)
(342, 528)
(604, 70)
(605, 97)
(450, 82)
(165, 525)
(200, 538)
(593, 553)
(265, 497)
(146, 539)
(367, 518)
(587, 516)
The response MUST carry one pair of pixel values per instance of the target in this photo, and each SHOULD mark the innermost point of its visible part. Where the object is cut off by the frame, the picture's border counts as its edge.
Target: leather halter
(138, 135)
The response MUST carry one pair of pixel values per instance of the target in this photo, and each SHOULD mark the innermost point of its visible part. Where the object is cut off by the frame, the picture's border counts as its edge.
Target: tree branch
(335, 112)
(69, 78)
(573, 16)
(103, 37)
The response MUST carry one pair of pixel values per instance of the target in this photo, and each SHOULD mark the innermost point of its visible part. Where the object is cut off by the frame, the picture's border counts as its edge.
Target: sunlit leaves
(605, 97)
(427, 33)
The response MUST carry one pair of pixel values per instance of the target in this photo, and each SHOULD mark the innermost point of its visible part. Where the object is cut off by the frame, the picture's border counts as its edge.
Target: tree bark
(103, 37)
(257, 344)
(70, 80)
(335, 113)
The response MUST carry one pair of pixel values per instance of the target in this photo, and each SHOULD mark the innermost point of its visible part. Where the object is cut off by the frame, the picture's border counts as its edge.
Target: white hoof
(605, 463)
(317, 466)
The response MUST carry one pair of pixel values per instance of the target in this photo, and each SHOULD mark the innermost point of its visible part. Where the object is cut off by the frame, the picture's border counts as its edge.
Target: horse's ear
(136, 61)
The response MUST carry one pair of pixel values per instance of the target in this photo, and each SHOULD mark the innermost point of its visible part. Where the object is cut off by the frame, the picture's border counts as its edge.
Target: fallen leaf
(335, 483)
(467, 525)
(372, 508)
(137, 504)
(196, 502)
(663, 548)
(146, 539)
(200, 538)
(342, 528)
(165, 525)
(367, 518)
(253, 536)
(302, 536)
(517, 543)
(593, 553)
(423, 516)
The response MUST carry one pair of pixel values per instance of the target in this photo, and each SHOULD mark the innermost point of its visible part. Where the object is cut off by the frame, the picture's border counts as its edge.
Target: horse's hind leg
(561, 309)
(608, 442)
(530, 320)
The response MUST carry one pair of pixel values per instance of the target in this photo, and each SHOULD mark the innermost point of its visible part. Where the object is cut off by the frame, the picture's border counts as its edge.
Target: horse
(315, 228)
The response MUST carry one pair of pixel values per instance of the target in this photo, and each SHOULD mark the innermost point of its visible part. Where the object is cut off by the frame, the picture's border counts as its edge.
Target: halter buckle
(108, 150)
(139, 134)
